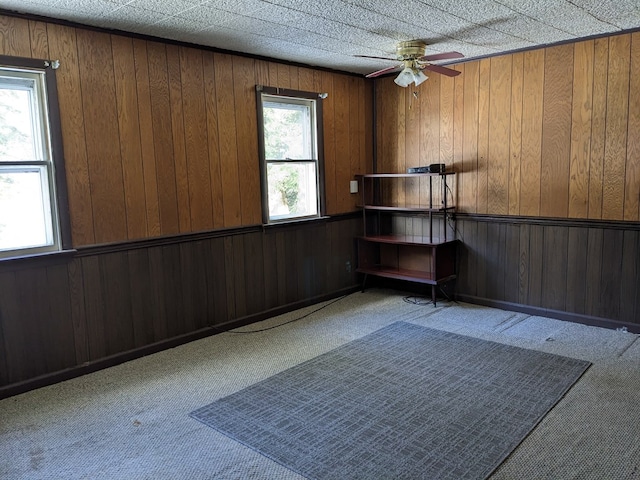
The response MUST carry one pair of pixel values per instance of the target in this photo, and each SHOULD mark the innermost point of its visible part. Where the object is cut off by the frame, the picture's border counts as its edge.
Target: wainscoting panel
(576, 270)
(112, 303)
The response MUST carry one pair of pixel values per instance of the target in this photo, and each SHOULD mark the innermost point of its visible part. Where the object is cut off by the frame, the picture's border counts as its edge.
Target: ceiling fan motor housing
(410, 50)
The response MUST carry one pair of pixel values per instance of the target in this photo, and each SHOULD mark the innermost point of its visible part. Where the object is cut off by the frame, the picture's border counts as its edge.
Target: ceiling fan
(414, 61)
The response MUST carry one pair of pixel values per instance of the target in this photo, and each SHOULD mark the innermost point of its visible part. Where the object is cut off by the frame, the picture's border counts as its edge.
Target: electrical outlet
(348, 266)
(353, 186)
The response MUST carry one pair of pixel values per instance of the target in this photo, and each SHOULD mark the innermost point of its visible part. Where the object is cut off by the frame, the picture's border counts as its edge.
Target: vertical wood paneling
(615, 152)
(102, 136)
(163, 138)
(523, 264)
(14, 37)
(630, 277)
(58, 327)
(515, 137)
(468, 183)
(195, 123)
(632, 173)
(430, 125)
(598, 126)
(499, 134)
(343, 142)
(245, 104)
(210, 94)
(577, 261)
(446, 120)
(582, 110)
(458, 134)
(174, 71)
(62, 45)
(483, 135)
(145, 115)
(556, 131)
(511, 263)
(594, 269)
(129, 129)
(356, 132)
(533, 83)
(39, 39)
(142, 297)
(328, 127)
(611, 274)
(77, 314)
(536, 265)
(554, 272)
(227, 136)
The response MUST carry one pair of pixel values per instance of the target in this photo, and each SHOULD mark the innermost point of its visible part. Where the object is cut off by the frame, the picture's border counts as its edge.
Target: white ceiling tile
(329, 33)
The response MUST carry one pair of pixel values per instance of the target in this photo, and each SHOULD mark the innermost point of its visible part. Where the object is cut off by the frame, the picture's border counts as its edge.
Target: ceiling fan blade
(442, 70)
(440, 56)
(377, 58)
(380, 72)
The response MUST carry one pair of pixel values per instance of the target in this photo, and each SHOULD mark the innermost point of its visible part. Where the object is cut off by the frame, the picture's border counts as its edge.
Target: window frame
(56, 176)
(319, 161)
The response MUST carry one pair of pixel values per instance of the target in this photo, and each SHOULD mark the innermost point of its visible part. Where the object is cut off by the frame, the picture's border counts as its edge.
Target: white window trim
(286, 96)
(49, 158)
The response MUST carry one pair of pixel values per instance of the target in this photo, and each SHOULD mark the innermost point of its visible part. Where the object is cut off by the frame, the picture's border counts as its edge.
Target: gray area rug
(404, 402)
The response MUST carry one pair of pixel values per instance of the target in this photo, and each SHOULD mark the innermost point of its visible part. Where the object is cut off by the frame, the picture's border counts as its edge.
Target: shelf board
(401, 175)
(402, 274)
(407, 240)
(414, 209)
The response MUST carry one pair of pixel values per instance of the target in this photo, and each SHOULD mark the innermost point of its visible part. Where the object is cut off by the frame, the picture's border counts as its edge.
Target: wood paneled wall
(161, 139)
(553, 132)
(105, 304)
(591, 272)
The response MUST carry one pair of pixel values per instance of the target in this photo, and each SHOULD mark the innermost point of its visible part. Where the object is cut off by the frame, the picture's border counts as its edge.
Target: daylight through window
(291, 186)
(28, 216)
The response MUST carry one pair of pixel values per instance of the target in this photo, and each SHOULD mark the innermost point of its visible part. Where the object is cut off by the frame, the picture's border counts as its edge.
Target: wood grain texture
(102, 136)
(598, 126)
(582, 111)
(162, 138)
(515, 137)
(342, 139)
(632, 172)
(227, 136)
(196, 140)
(129, 140)
(468, 180)
(215, 175)
(483, 135)
(615, 152)
(174, 71)
(247, 146)
(145, 115)
(556, 131)
(63, 45)
(14, 37)
(330, 151)
(532, 108)
(499, 134)
(39, 39)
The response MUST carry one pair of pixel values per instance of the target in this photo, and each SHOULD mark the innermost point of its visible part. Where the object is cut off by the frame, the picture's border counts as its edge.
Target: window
(291, 154)
(29, 213)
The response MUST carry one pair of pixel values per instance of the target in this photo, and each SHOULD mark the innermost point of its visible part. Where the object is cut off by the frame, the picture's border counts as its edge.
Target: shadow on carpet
(402, 402)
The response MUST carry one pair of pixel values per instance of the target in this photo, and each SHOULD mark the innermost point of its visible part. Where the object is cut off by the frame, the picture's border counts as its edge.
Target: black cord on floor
(290, 321)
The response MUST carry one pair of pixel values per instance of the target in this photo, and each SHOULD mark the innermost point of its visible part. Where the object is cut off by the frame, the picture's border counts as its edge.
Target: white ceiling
(328, 33)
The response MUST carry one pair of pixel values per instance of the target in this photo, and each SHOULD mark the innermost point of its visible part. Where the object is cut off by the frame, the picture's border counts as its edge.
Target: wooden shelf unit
(426, 257)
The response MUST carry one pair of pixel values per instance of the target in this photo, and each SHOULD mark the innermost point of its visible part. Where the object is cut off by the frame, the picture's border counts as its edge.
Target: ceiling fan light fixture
(419, 77)
(405, 77)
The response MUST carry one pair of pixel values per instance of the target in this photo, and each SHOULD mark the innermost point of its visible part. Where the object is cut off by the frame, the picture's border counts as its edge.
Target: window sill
(37, 260)
(300, 222)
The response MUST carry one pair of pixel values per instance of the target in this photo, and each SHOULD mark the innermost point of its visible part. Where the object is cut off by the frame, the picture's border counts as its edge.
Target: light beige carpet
(132, 422)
